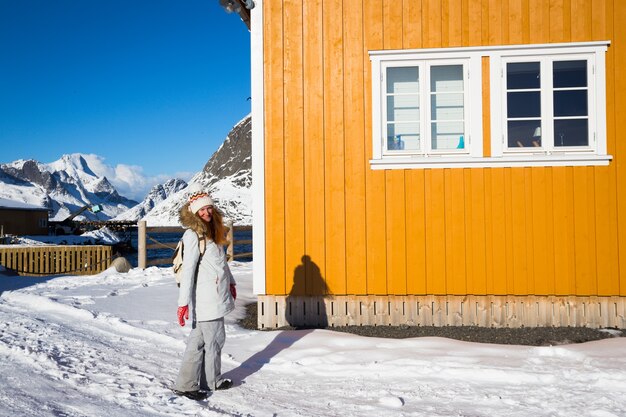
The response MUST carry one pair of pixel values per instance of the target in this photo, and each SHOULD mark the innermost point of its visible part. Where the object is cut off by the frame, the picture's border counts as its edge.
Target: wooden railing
(144, 232)
(56, 260)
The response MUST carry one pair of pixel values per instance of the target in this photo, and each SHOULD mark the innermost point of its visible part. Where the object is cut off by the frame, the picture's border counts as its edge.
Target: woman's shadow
(307, 279)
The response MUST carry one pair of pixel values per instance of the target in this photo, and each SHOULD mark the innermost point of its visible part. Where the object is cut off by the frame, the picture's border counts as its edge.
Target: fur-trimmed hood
(190, 221)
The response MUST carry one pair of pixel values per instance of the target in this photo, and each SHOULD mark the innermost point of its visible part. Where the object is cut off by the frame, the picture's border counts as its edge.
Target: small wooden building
(18, 218)
(439, 162)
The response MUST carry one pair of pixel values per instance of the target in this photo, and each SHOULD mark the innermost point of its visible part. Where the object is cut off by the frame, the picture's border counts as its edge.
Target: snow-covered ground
(109, 345)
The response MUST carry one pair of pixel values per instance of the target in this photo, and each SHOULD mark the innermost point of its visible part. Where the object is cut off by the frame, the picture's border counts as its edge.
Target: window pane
(570, 103)
(448, 135)
(524, 104)
(446, 78)
(524, 133)
(522, 75)
(404, 108)
(447, 106)
(402, 80)
(571, 132)
(570, 74)
(403, 136)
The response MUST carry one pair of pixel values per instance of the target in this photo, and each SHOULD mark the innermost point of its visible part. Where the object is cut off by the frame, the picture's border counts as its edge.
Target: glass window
(571, 111)
(447, 107)
(547, 106)
(529, 86)
(523, 75)
(435, 112)
(523, 103)
(403, 109)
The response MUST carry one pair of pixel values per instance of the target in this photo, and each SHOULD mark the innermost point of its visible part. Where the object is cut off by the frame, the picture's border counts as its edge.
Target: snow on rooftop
(12, 204)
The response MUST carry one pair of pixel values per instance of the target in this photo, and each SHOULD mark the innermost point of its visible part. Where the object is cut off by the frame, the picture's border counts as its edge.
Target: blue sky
(152, 86)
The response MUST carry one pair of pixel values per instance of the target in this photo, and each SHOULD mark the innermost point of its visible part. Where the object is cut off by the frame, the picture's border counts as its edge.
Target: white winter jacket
(208, 296)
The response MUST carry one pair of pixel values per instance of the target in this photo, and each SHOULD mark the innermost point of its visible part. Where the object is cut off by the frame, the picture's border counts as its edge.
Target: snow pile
(103, 236)
(109, 345)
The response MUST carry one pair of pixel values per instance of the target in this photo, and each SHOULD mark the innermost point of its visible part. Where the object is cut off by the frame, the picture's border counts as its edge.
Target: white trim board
(258, 146)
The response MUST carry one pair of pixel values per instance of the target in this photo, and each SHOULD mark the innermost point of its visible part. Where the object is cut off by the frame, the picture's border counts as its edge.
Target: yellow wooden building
(439, 162)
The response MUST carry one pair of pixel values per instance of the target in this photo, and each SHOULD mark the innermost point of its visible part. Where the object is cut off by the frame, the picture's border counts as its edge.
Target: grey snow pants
(205, 344)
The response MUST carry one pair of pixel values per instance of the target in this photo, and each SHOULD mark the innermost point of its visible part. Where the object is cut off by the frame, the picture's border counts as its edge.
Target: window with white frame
(425, 108)
(548, 106)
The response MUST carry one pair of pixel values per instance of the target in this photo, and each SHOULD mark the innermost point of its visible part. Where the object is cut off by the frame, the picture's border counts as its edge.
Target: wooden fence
(55, 260)
(144, 232)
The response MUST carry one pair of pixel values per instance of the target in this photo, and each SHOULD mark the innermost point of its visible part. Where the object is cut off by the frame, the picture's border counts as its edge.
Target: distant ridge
(63, 186)
(227, 175)
(66, 185)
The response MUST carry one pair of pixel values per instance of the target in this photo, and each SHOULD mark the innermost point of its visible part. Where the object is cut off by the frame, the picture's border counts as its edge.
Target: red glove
(183, 313)
(233, 291)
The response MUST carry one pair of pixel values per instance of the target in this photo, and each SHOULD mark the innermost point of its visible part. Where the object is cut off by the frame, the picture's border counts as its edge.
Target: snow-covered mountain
(227, 176)
(64, 186)
(69, 184)
(157, 194)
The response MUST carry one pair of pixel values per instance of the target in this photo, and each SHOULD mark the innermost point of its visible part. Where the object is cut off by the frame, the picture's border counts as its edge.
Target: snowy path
(108, 345)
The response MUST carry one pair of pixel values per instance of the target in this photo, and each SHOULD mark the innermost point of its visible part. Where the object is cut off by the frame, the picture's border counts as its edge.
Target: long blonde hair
(214, 230)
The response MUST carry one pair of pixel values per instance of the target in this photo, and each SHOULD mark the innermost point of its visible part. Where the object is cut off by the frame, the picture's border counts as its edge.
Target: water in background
(175, 237)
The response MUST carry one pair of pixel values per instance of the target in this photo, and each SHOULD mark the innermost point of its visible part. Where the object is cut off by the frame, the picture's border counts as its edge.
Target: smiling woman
(109, 78)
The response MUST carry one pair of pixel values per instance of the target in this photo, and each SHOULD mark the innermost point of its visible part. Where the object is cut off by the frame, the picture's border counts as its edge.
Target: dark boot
(193, 395)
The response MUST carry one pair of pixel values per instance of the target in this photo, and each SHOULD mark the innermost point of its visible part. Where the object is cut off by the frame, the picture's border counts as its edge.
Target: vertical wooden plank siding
(414, 179)
(543, 243)
(476, 236)
(433, 23)
(619, 56)
(355, 138)
(455, 23)
(416, 232)
(580, 20)
(435, 232)
(374, 180)
(494, 22)
(334, 146)
(274, 148)
(519, 230)
(394, 179)
(501, 231)
(487, 107)
(557, 21)
(515, 22)
(602, 27)
(295, 275)
(456, 272)
(563, 220)
(537, 27)
(412, 24)
(314, 166)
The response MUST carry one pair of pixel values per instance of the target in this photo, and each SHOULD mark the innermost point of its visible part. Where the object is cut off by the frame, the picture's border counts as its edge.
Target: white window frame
(425, 109)
(594, 154)
(472, 82)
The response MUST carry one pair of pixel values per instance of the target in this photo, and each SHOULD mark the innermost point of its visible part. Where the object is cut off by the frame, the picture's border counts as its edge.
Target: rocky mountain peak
(234, 154)
(64, 186)
(227, 176)
(157, 195)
